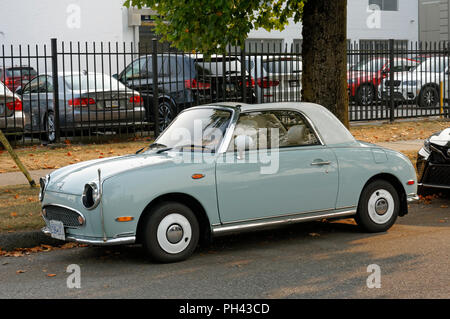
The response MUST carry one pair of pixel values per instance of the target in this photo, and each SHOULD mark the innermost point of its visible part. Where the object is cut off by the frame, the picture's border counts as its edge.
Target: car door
(282, 173)
(30, 103)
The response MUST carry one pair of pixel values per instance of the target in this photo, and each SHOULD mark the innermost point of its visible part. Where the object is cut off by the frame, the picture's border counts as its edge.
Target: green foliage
(208, 26)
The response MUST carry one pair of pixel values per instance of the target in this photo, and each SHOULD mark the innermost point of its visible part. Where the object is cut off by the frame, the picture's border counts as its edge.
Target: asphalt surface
(311, 260)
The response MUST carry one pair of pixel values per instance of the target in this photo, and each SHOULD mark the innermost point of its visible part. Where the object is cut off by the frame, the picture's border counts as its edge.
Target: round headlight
(91, 196)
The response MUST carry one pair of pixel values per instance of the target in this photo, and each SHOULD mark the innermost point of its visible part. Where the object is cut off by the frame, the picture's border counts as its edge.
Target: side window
(32, 86)
(402, 65)
(169, 67)
(136, 70)
(274, 129)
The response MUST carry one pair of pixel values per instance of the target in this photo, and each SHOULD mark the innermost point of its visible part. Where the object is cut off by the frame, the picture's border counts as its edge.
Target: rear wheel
(365, 95)
(170, 232)
(378, 207)
(49, 126)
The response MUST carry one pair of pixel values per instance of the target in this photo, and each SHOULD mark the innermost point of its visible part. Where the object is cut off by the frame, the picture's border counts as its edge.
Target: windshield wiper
(203, 147)
(153, 145)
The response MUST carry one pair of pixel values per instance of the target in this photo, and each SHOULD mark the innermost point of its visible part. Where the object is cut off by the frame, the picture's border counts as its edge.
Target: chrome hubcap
(381, 206)
(174, 233)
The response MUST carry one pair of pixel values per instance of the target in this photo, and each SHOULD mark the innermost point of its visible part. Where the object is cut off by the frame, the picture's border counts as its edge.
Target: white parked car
(421, 85)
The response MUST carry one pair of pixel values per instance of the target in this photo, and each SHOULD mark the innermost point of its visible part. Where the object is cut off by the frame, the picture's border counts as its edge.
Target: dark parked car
(87, 101)
(185, 81)
(433, 161)
(16, 76)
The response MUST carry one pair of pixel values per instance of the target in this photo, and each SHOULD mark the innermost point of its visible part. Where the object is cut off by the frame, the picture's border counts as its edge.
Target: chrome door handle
(320, 163)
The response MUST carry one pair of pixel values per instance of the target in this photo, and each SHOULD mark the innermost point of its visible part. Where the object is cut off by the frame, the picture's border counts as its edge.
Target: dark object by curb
(11, 241)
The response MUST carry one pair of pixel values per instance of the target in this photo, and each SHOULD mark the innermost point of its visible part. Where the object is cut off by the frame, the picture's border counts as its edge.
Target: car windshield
(374, 65)
(92, 82)
(200, 129)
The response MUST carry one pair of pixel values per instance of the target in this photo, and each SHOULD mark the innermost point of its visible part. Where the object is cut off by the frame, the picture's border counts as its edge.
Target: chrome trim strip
(297, 218)
(69, 208)
(434, 186)
(95, 241)
(289, 215)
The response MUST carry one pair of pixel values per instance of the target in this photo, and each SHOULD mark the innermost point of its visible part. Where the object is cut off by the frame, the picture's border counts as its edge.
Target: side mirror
(19, 91)
(115, 76)
(243, 143)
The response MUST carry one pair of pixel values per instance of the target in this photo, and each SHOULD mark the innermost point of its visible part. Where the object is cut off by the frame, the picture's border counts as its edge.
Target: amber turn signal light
(124, 219)
(198, 176)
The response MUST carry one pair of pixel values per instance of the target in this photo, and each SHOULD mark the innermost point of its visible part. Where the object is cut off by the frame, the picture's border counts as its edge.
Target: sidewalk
(17, 178)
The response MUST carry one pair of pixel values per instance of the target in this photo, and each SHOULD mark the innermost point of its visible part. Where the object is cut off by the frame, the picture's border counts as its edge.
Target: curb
(29, 239)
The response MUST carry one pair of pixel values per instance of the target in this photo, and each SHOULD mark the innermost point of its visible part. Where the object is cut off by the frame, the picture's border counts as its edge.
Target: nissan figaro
(226, 168)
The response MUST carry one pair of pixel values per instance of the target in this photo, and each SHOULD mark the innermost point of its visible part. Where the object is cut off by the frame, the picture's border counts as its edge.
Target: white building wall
(363, 24)
(36, 21)
(30, 25)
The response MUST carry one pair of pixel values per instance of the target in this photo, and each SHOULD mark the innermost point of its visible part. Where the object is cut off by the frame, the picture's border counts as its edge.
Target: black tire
(365, 95)
(49, 126)
(160, 219)
(428, 97)
(167, 113)
(378, 211)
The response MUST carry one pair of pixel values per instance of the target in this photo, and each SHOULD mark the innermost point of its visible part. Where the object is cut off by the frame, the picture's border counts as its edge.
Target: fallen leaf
(20, 271)
(51, 275)
(13, 214)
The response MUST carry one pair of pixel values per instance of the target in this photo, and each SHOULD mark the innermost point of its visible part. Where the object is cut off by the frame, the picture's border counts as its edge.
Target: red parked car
(364, 78)
(16, 76)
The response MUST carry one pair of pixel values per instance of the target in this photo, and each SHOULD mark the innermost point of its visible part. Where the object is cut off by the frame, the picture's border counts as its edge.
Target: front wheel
(167, 113)
(170, 233)
(428, 97)
(378, 207)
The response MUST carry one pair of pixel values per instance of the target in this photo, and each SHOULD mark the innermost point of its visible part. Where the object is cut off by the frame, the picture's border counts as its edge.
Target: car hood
(442, 138)
(71, 179)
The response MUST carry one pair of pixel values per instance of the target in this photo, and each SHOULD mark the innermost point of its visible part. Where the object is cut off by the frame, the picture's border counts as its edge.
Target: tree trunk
(325, 55)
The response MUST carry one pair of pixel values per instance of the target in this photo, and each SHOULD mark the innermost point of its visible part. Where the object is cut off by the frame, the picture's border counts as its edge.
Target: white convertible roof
(331, 130)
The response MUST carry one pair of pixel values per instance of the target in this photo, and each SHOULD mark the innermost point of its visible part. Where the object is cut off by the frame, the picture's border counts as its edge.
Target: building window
(385, 5)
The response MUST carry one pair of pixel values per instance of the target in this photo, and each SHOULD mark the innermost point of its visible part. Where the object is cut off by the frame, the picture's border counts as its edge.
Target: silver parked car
(86, 101)
(12, 118)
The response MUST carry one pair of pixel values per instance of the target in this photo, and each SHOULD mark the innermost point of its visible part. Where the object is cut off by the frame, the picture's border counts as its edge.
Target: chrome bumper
(97, 241)
(411, 198)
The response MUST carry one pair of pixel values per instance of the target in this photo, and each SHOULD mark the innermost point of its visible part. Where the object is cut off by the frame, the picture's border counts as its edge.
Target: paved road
(312, 260)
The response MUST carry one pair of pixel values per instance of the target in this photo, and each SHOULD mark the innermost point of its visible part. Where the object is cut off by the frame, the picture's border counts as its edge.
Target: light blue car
(226, 168)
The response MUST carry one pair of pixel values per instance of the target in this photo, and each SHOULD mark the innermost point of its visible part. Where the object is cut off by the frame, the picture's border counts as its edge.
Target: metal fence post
(54, 48)
(391, 82)
(244, 79)
(155, 85)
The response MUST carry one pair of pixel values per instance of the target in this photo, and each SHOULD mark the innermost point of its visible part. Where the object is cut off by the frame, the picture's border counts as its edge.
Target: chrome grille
(65, 215)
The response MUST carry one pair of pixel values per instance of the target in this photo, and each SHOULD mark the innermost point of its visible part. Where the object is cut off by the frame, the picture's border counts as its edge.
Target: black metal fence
(73, 90)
